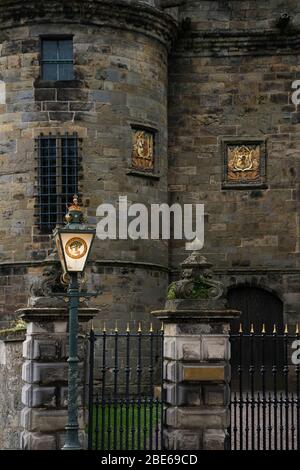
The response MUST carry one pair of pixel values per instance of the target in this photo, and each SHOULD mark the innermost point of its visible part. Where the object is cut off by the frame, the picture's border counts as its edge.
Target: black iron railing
(265, 390)
(125, 390)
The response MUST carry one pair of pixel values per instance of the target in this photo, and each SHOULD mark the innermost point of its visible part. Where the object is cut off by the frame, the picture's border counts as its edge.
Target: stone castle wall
(228, 76)
(231, 75)
(120, 55)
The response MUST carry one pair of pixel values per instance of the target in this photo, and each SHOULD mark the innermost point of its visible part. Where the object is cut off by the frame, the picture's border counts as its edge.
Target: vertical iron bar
(145, 424)
(121, 424)
(157, 409)
(103, 385)
(263, 377)
(97, 423)
(240, 374)
(109, 430)
(274, 372)
(162, 390)
(270, 420)
(133, 425)
(292, 422)
(286, 386)
(281, 420)
(258, 421)
(247, 421)
(151, 370)
(139, 392)
(91, 390)
(251, 372)
(116, 371)
(234, 422)
(127, 377)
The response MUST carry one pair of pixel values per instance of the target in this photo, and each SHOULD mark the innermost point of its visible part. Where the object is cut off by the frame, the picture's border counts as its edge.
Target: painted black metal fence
(265, 390)
(125, 390)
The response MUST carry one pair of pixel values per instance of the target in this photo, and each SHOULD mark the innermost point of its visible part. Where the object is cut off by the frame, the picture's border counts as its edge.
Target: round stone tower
(83, 85)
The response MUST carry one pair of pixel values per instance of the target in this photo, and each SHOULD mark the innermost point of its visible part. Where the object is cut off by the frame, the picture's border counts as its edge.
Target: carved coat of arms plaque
(142, 150)
(244, 163)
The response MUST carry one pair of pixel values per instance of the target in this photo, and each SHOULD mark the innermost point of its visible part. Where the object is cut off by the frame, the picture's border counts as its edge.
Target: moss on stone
(18, 326)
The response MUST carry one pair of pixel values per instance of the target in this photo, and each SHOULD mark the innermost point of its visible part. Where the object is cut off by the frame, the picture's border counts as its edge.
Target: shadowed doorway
(259, 308)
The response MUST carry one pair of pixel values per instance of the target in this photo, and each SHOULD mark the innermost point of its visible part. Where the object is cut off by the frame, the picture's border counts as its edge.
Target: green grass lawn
(122, 427)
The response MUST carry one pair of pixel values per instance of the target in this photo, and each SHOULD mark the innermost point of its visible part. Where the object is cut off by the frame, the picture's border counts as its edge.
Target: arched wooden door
(259, 307)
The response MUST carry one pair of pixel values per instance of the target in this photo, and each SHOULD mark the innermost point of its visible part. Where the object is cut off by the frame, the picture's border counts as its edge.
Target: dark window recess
(57, 178)
(57, 59)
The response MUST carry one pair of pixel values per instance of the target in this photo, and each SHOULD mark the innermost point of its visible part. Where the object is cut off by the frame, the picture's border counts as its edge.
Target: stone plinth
(196, 375)
(45, 376)
(196, 360)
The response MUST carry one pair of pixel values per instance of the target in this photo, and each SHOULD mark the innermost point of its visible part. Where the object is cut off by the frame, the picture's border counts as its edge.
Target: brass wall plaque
(204, 373)
(244, 163)
(142, 150)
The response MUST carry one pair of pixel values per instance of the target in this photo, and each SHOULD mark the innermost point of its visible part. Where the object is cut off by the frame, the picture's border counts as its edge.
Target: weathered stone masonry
(230, 76)
(227, 75)
(120, 55)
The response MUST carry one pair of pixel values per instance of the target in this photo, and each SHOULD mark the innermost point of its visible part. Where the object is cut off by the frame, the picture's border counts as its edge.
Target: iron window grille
(57, 59)
(58, 165)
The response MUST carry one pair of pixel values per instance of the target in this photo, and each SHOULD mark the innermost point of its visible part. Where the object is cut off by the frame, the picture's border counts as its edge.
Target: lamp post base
(72, 442)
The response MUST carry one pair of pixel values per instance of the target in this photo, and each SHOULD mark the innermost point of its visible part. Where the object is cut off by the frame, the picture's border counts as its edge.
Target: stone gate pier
(45, 368)
(196, 360)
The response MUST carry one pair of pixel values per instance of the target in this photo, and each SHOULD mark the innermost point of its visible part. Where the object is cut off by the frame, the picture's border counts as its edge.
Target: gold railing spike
(297, 329)
(162, 326)
(252, 328)
(286, 329)
(263, 329)
(116, 327)
(241, 328)
(104, 328)
(140, 328)
(151, 328)
(128, 328)
(274, 329)
(92, 326)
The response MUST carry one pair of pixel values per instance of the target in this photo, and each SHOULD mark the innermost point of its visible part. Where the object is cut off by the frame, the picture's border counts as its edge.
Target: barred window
(57, 59)
(57, 178)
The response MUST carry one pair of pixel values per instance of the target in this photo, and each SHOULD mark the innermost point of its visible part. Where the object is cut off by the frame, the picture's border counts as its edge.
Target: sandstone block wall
(231, 76)
(10, 390)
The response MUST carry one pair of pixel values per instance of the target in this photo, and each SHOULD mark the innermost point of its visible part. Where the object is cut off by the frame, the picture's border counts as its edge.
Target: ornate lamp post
(74, 242)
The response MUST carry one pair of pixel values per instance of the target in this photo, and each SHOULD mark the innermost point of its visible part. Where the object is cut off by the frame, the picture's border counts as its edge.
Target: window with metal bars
(58, 158)
(57, 59)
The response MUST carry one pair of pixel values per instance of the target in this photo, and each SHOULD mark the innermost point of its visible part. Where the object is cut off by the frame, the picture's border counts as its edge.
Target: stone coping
(196, 316)
(11, 335)
(41, 314)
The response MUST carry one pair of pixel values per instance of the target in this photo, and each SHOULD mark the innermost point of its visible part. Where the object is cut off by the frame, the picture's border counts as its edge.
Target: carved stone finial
(196, 281)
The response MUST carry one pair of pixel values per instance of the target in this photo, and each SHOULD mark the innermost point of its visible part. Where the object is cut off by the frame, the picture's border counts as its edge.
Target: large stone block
(215, 347)
(178, 395)
(41, 420)
(214, 439)
(35, 396)
(44, 373)
(197, 417)
(42, 349)
(182, 439)
(38, 441)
